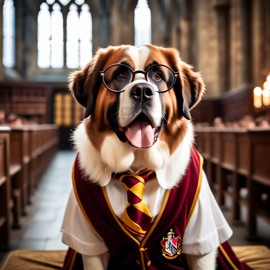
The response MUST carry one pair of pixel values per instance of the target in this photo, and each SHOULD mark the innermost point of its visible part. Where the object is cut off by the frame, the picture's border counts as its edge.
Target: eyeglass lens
(116, 77)
(162, 76)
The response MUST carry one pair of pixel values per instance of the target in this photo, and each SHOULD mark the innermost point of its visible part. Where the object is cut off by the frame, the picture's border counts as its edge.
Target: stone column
(185, 31)
(222, 9)
(101, 25)
(260, 41)
(158, 22)
(26, 36)
(246, 41)
(127, 22)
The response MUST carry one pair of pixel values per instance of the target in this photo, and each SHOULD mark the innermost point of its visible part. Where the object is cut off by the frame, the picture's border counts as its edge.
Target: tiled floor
(41, 228)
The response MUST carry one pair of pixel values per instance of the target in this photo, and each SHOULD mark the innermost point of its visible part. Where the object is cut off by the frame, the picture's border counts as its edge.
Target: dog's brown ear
(77, 86)
(192, 88)
(189, 86)
(84, 84)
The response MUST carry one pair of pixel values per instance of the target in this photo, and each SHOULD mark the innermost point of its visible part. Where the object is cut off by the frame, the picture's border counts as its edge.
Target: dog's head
(137, 105)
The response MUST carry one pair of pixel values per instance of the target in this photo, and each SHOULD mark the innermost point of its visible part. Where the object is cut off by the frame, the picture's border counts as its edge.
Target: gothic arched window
(64, 34)
(79, 38)
(8, 34)
(142, 23)
(56, 37)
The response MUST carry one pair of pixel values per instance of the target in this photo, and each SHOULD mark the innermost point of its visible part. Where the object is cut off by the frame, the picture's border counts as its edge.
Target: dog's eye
(158, 76)
(121, 76)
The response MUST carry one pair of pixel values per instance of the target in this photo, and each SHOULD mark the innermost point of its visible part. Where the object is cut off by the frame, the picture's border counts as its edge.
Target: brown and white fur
(100, 139)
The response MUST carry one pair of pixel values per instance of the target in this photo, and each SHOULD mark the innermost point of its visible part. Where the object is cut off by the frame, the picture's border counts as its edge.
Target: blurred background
(228, 41)
(43, 41)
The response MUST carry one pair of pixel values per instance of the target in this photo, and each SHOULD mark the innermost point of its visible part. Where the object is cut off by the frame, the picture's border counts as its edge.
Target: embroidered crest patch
(171, 245)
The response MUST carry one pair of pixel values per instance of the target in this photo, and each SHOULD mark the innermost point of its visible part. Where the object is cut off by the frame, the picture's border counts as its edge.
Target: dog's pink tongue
(140, 134)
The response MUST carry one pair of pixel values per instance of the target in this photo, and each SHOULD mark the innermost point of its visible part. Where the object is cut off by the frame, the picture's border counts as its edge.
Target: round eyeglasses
(117, 76)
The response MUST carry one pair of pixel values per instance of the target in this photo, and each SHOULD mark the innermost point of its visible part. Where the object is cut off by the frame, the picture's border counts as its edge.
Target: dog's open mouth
(140, 132)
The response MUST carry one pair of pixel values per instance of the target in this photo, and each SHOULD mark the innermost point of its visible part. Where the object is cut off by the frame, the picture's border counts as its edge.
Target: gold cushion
(257, 257)
(33, 260)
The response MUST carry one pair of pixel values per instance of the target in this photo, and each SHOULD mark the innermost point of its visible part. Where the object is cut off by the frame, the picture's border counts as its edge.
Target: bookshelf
(43, 102)
(28, 103)
(28, 100)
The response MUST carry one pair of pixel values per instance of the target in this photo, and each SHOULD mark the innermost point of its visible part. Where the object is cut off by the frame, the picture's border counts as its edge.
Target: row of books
(24, 108)
(12, 95)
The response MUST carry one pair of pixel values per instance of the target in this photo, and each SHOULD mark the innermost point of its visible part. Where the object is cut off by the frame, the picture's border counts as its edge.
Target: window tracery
(64, 34)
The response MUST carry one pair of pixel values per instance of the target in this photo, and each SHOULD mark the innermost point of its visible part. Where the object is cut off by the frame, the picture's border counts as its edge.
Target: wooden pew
(242, 171)
(26, 168)
(25, 153)
(203, 144)
(4, 188)
(246, 159)
(209, 145)
(44, 141)
(216, 157)
(242, 163)
(20, 140)
(16, 171)
(230, 180)
(213, 155)
(47, 140)
(228, 163)
(20, 156)
(258, 178)
(31, 150)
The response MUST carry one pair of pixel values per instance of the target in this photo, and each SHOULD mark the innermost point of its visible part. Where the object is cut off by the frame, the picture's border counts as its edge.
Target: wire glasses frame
(117, 76)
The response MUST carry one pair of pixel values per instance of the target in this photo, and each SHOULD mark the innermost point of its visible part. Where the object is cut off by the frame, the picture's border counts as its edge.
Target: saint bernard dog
(137, 104)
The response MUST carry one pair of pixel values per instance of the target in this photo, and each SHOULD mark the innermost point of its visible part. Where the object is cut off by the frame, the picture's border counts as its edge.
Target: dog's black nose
(142, 92)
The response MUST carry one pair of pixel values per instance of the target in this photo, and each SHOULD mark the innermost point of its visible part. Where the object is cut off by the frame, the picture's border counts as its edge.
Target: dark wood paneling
(231, 106)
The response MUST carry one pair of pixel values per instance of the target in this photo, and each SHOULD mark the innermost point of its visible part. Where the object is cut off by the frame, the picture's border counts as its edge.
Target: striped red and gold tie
(137, 217)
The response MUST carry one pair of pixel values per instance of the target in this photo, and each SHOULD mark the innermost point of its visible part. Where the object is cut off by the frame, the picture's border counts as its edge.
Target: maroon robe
(126, 252)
